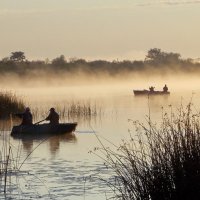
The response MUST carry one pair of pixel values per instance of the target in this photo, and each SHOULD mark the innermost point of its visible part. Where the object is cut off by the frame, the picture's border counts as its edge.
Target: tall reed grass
(70, 111)
(10, 103)
(158, 162)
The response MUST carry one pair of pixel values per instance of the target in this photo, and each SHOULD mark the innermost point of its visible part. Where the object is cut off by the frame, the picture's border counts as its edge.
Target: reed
(7, 166)
(158, 162)
(10, 103)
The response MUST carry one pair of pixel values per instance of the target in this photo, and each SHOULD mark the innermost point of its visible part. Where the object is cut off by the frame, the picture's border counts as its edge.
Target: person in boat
(53, 117)
(151, 89)
(26, 116)
(165, 88)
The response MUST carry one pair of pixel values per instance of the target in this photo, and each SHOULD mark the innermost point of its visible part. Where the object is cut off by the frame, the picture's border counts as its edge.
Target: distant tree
(73, 59)
(154, 54)
(38, 62)
(80, 61)
(17, 56)
(99, 63)
(160, 57)
(59, 61)
(172, 57)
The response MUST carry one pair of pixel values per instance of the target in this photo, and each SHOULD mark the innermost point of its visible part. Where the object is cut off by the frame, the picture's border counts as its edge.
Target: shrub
(158, 163)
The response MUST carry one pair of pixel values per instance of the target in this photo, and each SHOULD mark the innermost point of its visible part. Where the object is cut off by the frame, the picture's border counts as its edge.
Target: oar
(86, 131)
(40, 121)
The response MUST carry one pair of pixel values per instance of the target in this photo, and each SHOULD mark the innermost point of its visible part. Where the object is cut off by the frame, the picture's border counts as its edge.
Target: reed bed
(158, 162)
(77, 109)
(10, 103)
(70, 111)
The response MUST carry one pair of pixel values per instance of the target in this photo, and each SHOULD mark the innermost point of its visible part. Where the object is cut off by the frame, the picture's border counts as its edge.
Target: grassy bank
(159, 162)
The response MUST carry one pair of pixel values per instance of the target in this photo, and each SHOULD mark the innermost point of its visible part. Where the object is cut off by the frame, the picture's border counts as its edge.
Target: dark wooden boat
(42, 130)
(147, 92)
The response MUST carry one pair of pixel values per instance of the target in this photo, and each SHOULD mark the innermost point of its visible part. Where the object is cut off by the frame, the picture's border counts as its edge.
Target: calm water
(61, 167)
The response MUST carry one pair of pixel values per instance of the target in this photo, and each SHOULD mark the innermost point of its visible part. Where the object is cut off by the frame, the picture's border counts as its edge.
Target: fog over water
(45, 80)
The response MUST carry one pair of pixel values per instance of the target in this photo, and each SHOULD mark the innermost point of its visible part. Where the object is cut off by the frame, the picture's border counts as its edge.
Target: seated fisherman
(26, 116)
(165, 88)
(151, 89)
(53, 117)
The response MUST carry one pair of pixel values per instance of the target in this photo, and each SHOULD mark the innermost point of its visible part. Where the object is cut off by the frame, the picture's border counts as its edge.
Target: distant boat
(42, 130)
(148, 92)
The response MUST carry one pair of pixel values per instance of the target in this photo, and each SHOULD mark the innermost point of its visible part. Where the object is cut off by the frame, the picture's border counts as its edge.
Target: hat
(52, 109)
(27, 109)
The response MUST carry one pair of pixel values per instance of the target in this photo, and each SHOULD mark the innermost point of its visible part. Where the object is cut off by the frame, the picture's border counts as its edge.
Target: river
(62, 167)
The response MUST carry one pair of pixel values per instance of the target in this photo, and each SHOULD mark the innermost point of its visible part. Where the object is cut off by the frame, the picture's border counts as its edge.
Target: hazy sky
(99, 29)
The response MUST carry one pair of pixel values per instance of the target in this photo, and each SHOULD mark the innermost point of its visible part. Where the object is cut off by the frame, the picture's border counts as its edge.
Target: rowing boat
(38, 130)
(147, 92)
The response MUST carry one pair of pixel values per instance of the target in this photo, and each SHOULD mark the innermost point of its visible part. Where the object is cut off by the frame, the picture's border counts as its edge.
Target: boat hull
(42, 130)
(147, 92)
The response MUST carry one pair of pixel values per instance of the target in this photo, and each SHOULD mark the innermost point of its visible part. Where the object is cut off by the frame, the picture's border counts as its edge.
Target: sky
(99, 29)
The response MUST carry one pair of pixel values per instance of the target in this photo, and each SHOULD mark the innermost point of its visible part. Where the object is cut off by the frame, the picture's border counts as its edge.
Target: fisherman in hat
(165, 88)
(26, 116)
(53, 117)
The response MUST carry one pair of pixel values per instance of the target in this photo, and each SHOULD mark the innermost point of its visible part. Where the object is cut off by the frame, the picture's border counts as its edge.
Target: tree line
(156, 60)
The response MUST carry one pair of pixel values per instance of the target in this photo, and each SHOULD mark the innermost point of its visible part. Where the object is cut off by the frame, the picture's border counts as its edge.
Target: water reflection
(53, 141)
(27, 145)
(152, 98)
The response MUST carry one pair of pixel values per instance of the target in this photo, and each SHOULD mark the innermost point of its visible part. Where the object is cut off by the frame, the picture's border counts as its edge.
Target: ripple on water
(63, 179)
